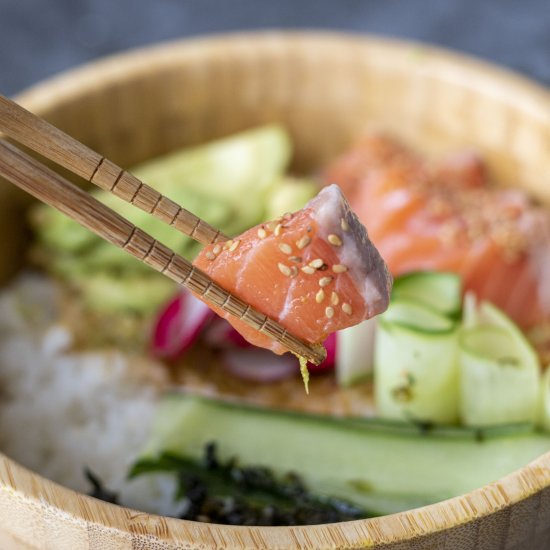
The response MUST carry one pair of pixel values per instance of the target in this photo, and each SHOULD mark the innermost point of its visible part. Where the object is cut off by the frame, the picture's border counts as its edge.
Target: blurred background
(39, 39)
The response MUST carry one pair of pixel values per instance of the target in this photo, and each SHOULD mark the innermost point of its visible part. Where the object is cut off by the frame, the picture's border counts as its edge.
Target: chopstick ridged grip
(49, 187)
(54, 144)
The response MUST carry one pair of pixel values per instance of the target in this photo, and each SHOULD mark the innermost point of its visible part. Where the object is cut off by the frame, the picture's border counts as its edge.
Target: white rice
(62, 411)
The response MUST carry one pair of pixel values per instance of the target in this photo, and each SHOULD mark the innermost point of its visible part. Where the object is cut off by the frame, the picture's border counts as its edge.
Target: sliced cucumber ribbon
(415, 365)
(499, 370)
(441, 292)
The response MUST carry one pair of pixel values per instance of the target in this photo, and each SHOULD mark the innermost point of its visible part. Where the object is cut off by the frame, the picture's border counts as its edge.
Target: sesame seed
(271, 225)
(308, 269)
(334, 299)
(287, 216)
(285, 248)
(334, 240)
(346, 308)
(303, 242)
(295, 259)
(293, 271)
(320, 296)
(277, 230)
(324, 281)
(317, 263)
(217, 249)
(262, 233)
(284, 269)
(227, 244)
(339, 268)
(329, 312)
(344, 224)
(210, 255)
(234, 245)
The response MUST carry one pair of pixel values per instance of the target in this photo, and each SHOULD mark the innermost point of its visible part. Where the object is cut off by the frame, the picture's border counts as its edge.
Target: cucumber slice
(379, 471)
(499, 370)
(439, 291)
(415, 364)
(355, 353)
(417, 317)
(437, 294)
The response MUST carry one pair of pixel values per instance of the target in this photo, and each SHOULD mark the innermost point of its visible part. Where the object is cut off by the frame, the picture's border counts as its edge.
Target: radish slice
(259, 365)
(179, 325)
(219, 334)
(330, 361)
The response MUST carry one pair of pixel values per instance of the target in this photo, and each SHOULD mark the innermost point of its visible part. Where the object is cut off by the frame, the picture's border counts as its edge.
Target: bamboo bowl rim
(530, 479)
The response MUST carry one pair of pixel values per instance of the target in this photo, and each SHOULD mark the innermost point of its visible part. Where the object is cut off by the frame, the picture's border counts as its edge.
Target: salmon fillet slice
(314, 271)
(448, 217)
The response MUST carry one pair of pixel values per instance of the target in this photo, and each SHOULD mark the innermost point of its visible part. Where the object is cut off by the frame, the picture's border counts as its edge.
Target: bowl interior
(325, 89)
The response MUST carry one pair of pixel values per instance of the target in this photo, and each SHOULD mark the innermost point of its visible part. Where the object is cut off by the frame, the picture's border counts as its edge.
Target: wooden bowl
(325, 89)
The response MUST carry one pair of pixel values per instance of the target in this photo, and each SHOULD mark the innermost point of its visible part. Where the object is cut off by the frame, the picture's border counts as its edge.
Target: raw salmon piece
(447, 217)
(314, 271)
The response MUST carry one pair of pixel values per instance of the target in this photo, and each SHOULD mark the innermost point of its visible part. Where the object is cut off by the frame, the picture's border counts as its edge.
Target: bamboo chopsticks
(49, 187)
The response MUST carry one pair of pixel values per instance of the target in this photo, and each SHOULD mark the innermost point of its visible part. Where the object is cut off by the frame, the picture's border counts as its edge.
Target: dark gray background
(39, 38)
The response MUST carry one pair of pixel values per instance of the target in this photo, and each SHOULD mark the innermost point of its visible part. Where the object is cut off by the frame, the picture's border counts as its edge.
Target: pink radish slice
(259, 365)
(219, 334)
(179, 325)
(330, 361)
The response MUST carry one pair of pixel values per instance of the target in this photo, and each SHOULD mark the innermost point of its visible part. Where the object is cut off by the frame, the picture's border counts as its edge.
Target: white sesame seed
(346, 308)
(339, 268)
(320, 296)
(210, 255)
(262, 233)
(277, 230)
(227, 244)
(317, 263)
(329, 312)
(334, 240)
(334, 299)
(344, 224)
(303, 242)
(284, 269)
(285, 248)
(308, 269)
(234, 245)
(217, 249)
(324, 281)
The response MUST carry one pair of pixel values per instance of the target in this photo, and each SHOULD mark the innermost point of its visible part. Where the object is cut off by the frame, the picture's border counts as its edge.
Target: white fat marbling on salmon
(357, 252)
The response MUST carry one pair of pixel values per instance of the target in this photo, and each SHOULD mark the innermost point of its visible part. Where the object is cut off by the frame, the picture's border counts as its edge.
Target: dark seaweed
(98, 489)
(227, 493)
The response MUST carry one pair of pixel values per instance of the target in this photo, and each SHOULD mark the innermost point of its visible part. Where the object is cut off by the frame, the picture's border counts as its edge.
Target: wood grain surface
(326, 89)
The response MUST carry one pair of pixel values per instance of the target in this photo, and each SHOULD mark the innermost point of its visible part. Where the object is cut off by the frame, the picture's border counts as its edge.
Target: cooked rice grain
(62, 410)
